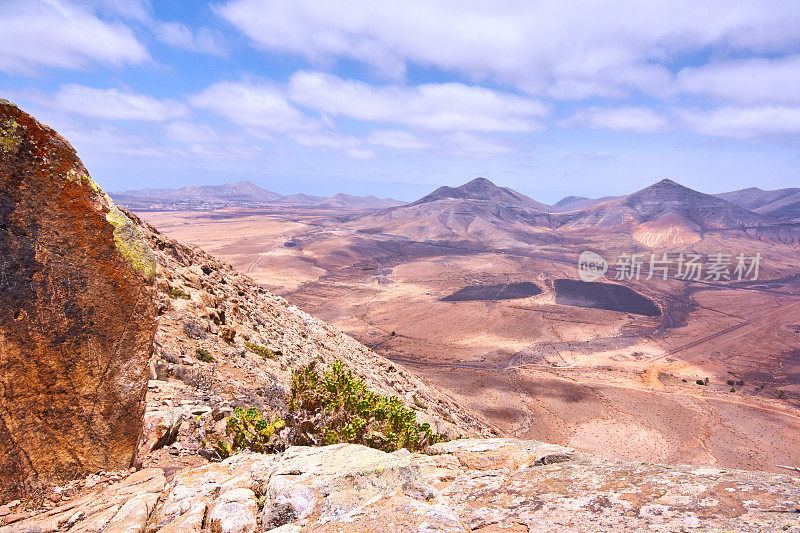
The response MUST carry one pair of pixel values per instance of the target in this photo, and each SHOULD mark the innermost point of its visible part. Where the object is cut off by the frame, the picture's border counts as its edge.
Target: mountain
(780, 203)
(662, 198)
(665, 213)
(573, 203)
(240, 194)
(300, 199)
(242, 191)
(482, 189)
(348, 201)
(478, 211)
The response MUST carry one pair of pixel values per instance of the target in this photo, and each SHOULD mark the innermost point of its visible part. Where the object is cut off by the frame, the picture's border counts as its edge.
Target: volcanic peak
(482, 189)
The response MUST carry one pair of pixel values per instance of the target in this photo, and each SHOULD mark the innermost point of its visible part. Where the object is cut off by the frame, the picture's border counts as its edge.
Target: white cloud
(359, 153)
(259, 106)
(187, 132)
(443, 106)
(49, 33)
(743, 123)
(115, 104)
(564, 49)
(398, 139)
(139, 10)
(470, 145)
(325, 140)
(747, 81)
(638, 119)
(180, 36)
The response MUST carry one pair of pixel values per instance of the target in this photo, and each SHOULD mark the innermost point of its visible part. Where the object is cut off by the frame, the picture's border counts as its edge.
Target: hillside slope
(223, 310)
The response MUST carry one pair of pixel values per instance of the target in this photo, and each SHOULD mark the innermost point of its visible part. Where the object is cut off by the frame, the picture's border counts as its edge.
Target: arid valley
(697, 370)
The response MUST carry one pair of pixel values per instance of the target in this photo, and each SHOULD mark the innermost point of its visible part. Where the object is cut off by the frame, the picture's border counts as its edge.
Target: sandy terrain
(606, 382)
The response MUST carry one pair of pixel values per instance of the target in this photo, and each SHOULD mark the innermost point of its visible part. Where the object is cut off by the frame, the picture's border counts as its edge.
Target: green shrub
(337, 407)
(203, 355)
(328, 408)
(249, 431)
(177, 293)
(263, 351)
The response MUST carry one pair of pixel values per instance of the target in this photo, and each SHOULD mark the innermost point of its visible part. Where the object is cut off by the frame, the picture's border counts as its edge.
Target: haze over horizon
(551, 100)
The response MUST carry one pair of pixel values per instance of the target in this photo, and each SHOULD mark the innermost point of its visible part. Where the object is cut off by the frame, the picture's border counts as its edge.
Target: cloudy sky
(395, 97)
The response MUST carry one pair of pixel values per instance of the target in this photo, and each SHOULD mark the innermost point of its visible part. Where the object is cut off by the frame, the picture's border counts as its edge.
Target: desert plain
(712, 378)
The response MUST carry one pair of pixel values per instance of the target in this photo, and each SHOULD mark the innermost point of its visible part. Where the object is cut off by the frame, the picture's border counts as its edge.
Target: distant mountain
(242, 191)
(573, 203)
(483, 190)
(477, 211)
(703, 210)
(240, 194)
(348, 201)
(780, 203)
(665, 213)
(301, 199)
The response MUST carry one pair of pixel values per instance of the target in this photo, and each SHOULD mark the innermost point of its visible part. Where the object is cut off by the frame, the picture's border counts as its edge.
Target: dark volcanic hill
(666, 213)
(477, 211)
(780, 203)
(666, 198)
(484, 190)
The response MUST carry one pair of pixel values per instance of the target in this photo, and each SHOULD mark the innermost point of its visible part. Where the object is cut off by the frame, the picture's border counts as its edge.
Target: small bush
(177, 293)
(249, 431)
(700, 382)
(328, 408)
(204, 355)
(263, 351)
(194, 330)
(336, 407)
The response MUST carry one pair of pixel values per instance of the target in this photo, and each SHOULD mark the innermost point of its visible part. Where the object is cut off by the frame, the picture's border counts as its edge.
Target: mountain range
(780, 203)
(239, 194)
(663, 214)
(482, 199)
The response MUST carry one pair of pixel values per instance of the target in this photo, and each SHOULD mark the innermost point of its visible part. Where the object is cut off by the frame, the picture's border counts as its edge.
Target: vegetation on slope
(328, 408)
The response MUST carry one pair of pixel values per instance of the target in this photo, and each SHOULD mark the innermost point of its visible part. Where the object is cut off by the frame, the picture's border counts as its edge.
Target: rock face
(77, 316)
(486, 485)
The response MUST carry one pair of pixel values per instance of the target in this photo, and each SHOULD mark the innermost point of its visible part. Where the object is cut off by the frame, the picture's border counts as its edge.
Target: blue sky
(394, 98)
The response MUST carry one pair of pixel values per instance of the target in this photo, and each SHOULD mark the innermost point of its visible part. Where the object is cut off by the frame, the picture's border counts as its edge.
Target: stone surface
(351, 488)
(491, 454)
(76, 314)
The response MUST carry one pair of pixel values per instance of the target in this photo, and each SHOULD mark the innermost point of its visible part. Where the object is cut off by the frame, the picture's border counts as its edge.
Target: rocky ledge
(464, 485)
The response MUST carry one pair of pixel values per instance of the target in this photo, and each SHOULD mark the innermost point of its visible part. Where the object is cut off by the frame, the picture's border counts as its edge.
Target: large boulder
(77, 316)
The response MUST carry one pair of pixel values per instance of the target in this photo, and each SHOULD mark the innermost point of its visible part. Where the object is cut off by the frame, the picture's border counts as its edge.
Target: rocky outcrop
(76, 314)
(468, 485)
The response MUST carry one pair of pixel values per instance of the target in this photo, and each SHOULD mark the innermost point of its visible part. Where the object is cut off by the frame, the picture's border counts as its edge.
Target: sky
(395, 98)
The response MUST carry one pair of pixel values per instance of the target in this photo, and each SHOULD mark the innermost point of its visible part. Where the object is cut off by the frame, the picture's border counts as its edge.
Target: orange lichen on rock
(76, 314)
